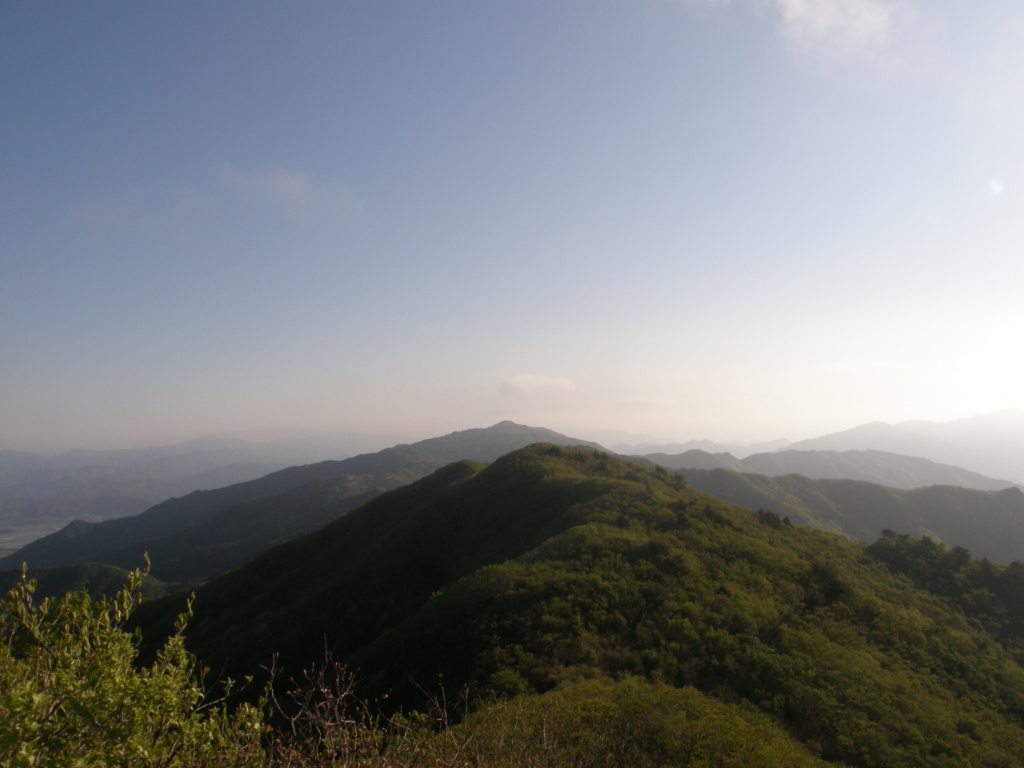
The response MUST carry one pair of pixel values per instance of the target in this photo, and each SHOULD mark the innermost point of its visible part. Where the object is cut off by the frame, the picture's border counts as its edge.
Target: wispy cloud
(531, 384)
(292, 194)
(830, 28)
(837, 27)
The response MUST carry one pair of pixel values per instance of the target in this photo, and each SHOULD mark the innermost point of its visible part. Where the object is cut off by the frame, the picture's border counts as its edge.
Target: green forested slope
(554, 566)
(988, 523)
(74, 694)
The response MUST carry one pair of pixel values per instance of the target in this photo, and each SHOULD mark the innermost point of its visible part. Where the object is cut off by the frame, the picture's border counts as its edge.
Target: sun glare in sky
(734, 219)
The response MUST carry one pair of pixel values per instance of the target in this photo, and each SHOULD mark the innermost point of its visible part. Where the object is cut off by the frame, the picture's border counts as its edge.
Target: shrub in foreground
(72, 695)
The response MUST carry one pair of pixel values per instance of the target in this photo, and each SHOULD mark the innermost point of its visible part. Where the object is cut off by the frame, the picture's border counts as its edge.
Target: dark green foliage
(992, 595)
(557, 566)
(771, 519)
(368, 570)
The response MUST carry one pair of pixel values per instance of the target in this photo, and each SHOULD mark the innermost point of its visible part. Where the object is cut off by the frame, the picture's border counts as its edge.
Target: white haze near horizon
(669, 219)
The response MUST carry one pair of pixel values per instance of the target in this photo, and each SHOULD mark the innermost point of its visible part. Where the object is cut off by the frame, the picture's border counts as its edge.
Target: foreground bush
(72, 695)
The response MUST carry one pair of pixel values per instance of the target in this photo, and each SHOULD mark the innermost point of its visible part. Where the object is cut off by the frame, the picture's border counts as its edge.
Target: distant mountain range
(41, 494)
(49, 491)
(197, 536)
(990, 443)
(890, 469)
(739, 450)
(988, 523)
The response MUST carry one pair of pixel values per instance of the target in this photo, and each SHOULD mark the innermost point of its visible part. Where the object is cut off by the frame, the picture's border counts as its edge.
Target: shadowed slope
(209, 532)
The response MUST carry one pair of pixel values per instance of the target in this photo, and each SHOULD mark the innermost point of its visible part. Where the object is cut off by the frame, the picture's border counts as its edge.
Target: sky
(727, 219)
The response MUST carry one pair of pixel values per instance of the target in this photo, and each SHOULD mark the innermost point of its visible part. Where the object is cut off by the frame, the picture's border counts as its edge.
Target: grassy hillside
(554, 572)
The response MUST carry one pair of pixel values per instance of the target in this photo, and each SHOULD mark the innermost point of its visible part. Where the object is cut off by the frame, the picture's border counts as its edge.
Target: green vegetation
(554, 568)
(96, 580)
(989, 523)
(588, 611)
(606, 724)
(991, 596)
(71, 695)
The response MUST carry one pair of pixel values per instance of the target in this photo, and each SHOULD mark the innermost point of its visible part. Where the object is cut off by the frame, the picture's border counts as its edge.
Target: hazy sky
(736, 219)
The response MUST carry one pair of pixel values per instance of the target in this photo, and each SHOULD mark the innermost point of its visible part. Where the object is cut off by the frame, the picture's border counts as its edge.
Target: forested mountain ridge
(554, 566)
(208, 532)
(199, 535)
(891, 469)
(988, 523)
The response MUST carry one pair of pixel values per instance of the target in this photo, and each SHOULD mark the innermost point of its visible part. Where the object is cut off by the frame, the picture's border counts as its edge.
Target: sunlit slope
(556, 565)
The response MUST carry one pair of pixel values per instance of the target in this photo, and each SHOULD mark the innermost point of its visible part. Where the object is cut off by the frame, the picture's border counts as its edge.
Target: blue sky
(736, 219)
